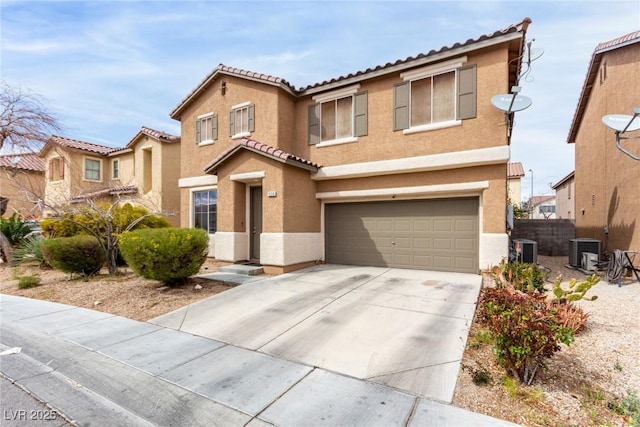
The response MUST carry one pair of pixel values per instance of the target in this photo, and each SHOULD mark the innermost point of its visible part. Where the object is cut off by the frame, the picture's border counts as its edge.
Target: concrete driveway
(402, 328)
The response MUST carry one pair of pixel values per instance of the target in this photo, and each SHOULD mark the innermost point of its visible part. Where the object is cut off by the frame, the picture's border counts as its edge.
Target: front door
(256, 222)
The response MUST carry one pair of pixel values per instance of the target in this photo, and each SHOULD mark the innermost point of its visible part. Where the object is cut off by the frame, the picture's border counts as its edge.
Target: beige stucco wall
(565, 200)
(23, 189)
(607, 180)
(514, 189)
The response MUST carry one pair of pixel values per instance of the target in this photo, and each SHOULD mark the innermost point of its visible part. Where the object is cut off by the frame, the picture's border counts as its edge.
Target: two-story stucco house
(401, 165)
(20, 181)
(145, 171)
(607, 199)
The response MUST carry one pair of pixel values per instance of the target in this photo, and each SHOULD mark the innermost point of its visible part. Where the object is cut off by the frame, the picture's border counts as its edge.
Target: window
(92, 169)
(339, 116)
(56, 169)
(115, 169)
(205, 207)
(547, 209)
(206, 129)
(241, 120)
(436, 96)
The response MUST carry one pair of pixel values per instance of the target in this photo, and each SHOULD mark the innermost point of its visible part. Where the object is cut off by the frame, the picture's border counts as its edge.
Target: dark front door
(256, 222)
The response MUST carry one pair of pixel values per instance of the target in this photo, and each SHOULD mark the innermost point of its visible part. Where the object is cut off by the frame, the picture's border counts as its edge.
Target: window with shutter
(435, 97)
(339, 119)
(206, 129)
(56, 169)
(242, 120)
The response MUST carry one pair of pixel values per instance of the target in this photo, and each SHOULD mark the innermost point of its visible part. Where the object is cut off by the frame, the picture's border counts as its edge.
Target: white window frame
(431, 71)
(210, 140)
(192, 206)
(334, 96)
(114, 169)
(235, 109)
(84, 169)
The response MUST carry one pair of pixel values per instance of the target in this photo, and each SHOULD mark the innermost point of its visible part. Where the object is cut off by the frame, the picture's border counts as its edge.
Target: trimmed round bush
(77, 254)
(169, 255)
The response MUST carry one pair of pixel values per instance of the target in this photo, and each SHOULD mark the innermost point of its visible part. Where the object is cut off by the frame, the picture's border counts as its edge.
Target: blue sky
(106, 68)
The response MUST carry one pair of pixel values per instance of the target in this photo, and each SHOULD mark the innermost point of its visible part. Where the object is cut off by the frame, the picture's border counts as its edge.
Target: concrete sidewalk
(100, 369)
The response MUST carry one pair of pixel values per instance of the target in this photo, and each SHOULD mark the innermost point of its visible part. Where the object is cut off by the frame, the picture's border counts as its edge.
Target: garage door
(438, 234)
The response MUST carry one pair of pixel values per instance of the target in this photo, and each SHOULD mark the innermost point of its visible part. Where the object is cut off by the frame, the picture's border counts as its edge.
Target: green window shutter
(401, 106)
(232, 127)
(252, 126)
(360, 114)
(467, 92)
(198, 124)
(214, 127)
(314, 124)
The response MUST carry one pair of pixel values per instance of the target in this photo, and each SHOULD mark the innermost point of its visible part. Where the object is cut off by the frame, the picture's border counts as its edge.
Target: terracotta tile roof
(156, 134)
(359, 75)
(538, 200)
(521, 26)
(79, 145)
(592, 73)
(112, 191)
(263, 149)
(515, 170)
(25, 161)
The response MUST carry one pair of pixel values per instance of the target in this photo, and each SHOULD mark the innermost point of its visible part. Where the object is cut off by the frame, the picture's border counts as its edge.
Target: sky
(107, 67)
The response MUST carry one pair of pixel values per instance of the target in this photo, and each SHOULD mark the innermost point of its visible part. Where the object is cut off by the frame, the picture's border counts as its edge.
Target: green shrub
(95, 219)
(525, 330)
(78, 254)
(169, 255)
(30, 281)
(14, 228)
(521, 276)
(29, 251)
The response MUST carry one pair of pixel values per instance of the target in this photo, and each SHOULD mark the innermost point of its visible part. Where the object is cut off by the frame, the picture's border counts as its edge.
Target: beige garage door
(438, 234)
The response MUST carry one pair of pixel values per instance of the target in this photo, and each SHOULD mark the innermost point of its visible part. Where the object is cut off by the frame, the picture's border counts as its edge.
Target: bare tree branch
(25, 122)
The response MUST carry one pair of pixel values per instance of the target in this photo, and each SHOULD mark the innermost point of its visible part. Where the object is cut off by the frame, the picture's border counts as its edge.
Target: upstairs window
(56, 169)
(205, 210)
(115, 169)
(434, 97)
(206, 129)
(92, 169)
(242, 120)
(338, 117)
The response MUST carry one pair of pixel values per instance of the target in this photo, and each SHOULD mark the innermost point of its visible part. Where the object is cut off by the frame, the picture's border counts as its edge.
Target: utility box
(528, 250)
(589, 261)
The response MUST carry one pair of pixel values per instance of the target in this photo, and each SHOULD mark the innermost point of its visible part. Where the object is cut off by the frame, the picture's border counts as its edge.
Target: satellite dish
(535, 53)
(510, 103)
(621, 122)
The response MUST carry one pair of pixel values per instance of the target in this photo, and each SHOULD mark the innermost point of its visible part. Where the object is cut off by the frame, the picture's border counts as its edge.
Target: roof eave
(415, 63)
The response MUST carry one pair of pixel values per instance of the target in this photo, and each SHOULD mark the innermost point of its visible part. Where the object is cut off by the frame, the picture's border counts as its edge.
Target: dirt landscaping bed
(587, 383)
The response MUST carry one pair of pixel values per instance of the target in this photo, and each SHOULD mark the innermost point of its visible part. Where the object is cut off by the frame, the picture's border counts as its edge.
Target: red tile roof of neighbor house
(156, 134)
(79, 145)
(515, 170)
(111, 191)
(592, 73)
(537, 200)
(22, 161)
(389, 67)
(263, 149)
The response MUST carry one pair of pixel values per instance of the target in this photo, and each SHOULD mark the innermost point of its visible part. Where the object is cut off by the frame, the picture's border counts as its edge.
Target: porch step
(244, 269)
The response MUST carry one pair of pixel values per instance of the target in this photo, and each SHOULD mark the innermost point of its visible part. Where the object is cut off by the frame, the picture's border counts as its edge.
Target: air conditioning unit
(589, 261)
(578, 246)
(528, 250)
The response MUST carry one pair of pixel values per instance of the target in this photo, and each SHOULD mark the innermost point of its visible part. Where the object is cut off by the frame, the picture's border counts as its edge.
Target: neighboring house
(21, 180)
(401, 165)
(607, 180)
(515, 172)
(542, 207)
(565, 197)
(144, 172)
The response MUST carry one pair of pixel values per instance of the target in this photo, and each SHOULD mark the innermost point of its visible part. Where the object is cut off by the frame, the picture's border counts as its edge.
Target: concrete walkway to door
(403, 328)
